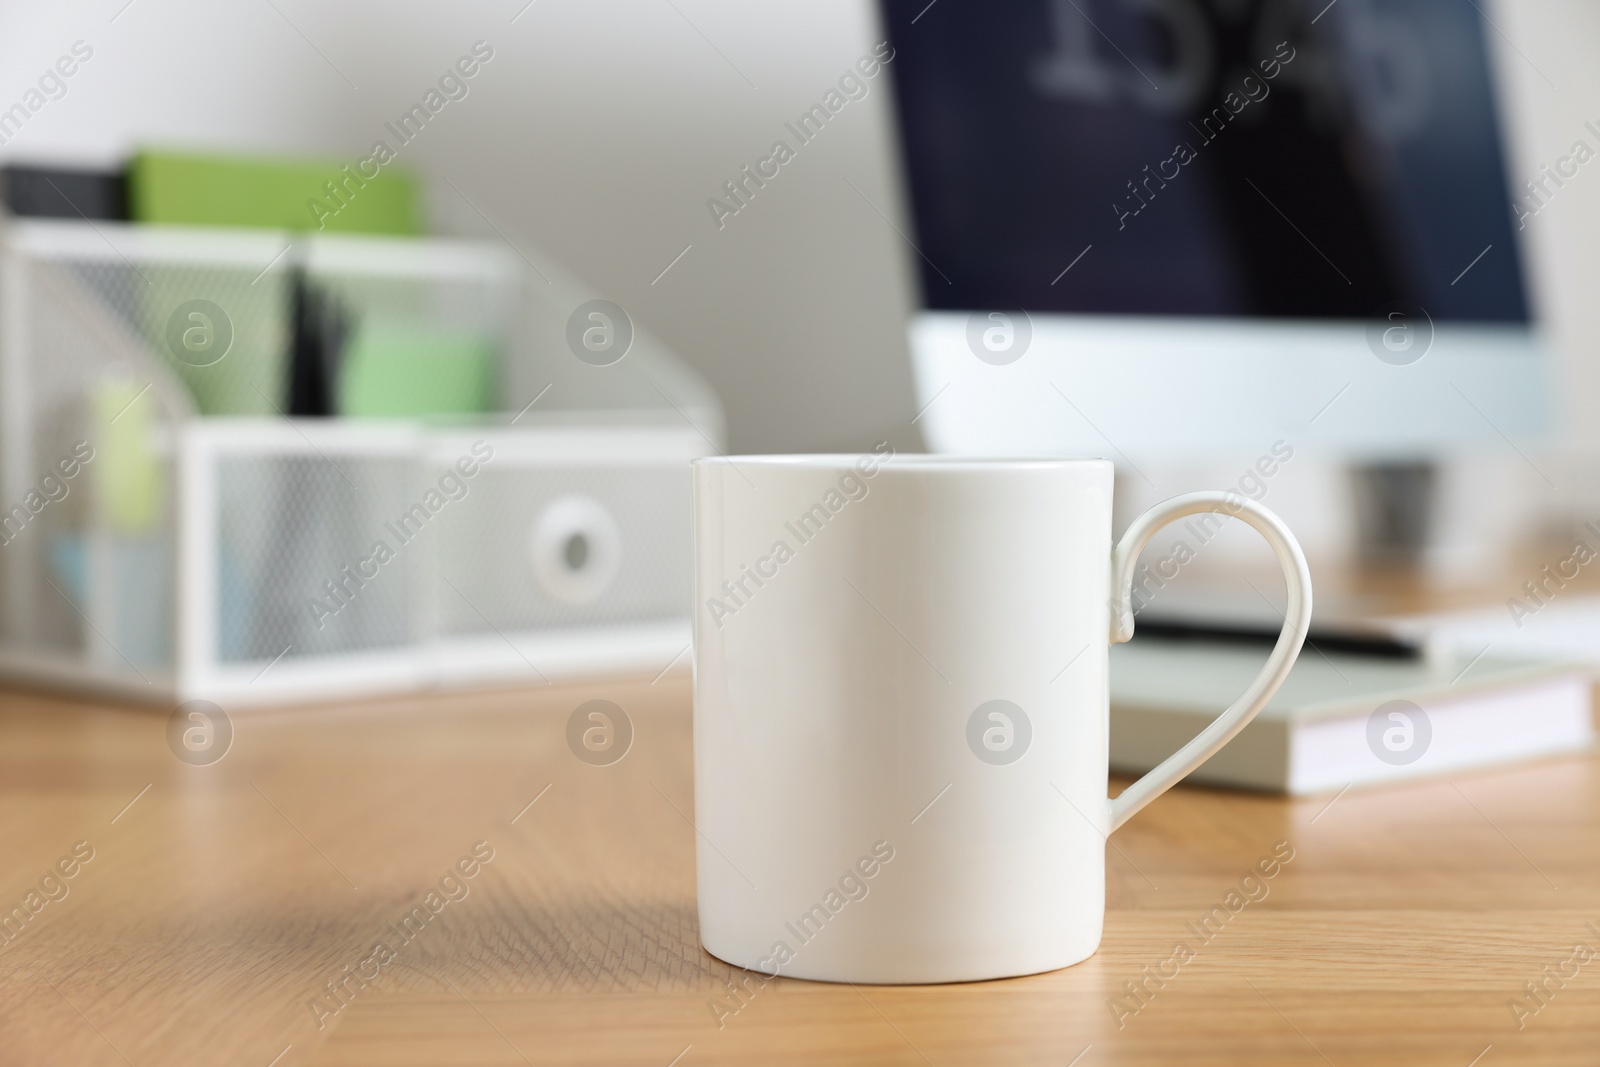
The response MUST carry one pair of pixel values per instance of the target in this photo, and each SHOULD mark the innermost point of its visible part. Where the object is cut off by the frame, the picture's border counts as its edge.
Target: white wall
(1548, 69)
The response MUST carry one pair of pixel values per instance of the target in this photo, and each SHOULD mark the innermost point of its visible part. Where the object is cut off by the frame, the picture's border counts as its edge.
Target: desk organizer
(168, 534)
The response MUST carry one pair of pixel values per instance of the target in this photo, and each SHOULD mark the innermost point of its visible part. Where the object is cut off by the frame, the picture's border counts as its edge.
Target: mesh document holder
(86, 458)
(170, 534)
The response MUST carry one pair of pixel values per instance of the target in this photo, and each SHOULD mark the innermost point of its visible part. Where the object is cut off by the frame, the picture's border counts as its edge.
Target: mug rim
(899, 460)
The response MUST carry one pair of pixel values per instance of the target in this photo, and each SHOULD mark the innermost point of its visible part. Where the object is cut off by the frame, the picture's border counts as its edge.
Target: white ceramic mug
(900, 719)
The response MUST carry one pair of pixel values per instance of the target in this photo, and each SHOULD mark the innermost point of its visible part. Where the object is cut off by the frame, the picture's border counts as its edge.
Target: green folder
(245, 377)
(192, 189)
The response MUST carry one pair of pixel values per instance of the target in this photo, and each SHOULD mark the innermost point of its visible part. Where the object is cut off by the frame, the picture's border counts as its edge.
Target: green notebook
(191, 189)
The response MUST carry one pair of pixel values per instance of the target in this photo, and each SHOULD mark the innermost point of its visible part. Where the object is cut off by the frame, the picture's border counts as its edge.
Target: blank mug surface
(901, 714)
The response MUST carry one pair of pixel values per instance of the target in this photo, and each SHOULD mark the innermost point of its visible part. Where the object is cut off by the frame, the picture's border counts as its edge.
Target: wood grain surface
(226, 908)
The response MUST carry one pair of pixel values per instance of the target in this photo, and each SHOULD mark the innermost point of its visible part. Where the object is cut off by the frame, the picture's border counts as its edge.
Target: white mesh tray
(188, 552)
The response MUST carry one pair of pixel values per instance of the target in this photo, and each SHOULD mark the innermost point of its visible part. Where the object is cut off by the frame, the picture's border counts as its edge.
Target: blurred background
(597, 136)
(599, 130)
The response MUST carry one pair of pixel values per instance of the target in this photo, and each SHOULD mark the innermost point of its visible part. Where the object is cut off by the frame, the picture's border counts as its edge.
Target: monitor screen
(1233, 158)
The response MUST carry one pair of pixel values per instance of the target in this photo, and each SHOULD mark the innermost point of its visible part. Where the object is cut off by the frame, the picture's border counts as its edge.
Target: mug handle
(1297, 620)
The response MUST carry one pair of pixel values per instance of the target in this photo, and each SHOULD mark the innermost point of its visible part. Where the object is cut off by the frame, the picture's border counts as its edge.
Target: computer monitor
(1178, 228)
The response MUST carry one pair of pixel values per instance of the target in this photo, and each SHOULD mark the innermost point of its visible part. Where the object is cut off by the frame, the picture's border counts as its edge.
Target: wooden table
(222, 900)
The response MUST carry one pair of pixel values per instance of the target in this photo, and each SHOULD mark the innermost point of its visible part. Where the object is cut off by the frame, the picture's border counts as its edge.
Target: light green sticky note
(395, 372)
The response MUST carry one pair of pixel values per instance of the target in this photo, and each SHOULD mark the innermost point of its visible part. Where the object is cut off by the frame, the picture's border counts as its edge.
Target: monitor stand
(1395, 504)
